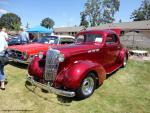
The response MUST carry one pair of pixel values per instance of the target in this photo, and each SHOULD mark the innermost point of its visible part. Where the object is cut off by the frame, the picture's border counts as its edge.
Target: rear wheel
(87, 86)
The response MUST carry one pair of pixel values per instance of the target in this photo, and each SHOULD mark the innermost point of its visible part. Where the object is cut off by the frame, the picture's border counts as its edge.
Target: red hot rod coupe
(25, 53)
(76, 70)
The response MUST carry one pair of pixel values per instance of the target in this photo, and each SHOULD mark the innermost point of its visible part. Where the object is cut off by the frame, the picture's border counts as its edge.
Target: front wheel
(87, 86)
(124, 61)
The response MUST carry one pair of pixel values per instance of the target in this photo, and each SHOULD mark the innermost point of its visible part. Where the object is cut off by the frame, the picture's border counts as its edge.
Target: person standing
(4, 34)
(24, 36)
(3, 47)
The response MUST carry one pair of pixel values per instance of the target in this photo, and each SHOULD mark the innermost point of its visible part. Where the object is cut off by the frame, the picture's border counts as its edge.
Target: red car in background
(25, 53)
(77, 69)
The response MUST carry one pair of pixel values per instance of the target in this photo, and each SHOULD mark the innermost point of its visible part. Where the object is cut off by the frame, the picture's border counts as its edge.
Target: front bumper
(18, 60)
(50, 89)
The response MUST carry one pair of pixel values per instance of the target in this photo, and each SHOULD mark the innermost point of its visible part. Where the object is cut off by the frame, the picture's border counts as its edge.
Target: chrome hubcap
(88, 86)
(125, 61)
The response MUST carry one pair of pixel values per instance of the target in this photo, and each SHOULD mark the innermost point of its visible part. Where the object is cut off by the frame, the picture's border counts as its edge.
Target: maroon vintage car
(76, 70)
(25, 53)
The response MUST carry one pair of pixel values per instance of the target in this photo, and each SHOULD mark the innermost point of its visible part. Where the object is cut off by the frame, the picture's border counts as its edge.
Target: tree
(10, 21)
(84, 22)
(110, 7)
(16, 26)
(48, 23)
(143, 12)
(101, 11)
(92, 11)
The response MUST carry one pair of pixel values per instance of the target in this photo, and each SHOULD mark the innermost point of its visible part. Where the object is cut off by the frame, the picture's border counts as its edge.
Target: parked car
(77, 69)
(25, 53)
(15, 41)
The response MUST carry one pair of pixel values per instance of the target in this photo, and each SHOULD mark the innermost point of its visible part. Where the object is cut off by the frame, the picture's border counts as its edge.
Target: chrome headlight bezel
(41, 55)
(61, 57)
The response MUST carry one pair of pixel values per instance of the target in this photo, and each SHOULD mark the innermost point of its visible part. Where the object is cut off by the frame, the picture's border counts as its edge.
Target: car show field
(79, 56)
(125, 91)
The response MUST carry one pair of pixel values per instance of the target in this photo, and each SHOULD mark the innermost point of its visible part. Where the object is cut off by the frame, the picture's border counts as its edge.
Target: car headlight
(31, 57)
(40, 55)
(61, 57)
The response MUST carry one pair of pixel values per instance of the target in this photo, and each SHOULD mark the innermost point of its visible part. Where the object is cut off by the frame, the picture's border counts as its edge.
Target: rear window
(66, 41)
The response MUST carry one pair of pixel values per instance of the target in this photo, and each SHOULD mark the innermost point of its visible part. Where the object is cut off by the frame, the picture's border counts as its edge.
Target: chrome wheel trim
(87, 86)
(125, 60)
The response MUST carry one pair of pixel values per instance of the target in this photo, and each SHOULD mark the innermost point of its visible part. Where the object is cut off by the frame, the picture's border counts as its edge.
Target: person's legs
(2, 76)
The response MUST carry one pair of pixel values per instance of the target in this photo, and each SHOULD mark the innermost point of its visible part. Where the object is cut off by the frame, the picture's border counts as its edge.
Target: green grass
(126, 91)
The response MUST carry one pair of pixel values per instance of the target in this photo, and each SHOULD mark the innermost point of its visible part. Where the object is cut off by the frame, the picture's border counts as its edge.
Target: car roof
(98, 30)
(64, 36)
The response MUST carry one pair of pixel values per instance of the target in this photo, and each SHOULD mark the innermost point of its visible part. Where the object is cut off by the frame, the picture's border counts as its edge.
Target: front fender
(76, 73)
(34, 69)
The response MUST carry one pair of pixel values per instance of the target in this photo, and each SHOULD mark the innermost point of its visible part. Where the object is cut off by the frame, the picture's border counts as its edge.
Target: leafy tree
(16, 26)
(110, 7)
(48, 23)
(143, 12)
(92, 11)
(101, 11)
(10, 21)
(84, 22)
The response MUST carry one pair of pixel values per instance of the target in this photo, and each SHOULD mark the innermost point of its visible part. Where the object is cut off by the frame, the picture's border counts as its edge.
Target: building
(136, 34)
(68, 30)
(137, 26)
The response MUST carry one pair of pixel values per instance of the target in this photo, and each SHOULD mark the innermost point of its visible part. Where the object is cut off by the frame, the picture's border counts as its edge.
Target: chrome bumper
(50, 89)
(17, 60)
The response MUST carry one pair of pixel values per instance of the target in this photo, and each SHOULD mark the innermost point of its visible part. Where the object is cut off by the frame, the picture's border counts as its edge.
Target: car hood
(73, 49)
(31, 48)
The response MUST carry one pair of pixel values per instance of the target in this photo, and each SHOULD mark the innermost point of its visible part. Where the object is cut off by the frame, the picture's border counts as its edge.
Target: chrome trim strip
(114, 70)
(17, 60)
(49, 88)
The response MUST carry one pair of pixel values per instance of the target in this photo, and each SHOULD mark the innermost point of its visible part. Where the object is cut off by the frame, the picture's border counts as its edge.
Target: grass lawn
(126, 91)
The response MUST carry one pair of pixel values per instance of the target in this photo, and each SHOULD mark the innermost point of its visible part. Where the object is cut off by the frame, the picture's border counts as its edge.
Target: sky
(64, 12)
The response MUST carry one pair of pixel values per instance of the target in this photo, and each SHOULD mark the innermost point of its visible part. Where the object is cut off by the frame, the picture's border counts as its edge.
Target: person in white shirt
(3, 46)
(4, 34)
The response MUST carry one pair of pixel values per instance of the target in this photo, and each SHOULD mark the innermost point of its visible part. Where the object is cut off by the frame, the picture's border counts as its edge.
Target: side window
(111, 39)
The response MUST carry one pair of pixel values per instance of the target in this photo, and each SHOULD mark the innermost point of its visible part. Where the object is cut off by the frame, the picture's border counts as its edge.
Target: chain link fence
(133, 40)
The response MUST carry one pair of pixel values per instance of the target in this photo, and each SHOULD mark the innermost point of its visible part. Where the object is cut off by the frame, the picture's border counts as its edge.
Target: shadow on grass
(64, 100)
(28, 86)
(61, 99)
(19, 65)
(109, 75)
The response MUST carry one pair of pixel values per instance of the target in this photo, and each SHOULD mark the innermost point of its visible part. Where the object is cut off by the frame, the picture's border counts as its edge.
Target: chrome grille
(51, 65)
(15, 54)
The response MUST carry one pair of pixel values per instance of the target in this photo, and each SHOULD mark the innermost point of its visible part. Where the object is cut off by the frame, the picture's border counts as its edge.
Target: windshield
(47, 40)
(89, 38)
(14, 39)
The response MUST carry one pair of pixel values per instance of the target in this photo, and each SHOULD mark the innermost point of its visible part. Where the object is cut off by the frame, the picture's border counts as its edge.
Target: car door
(111, 48)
